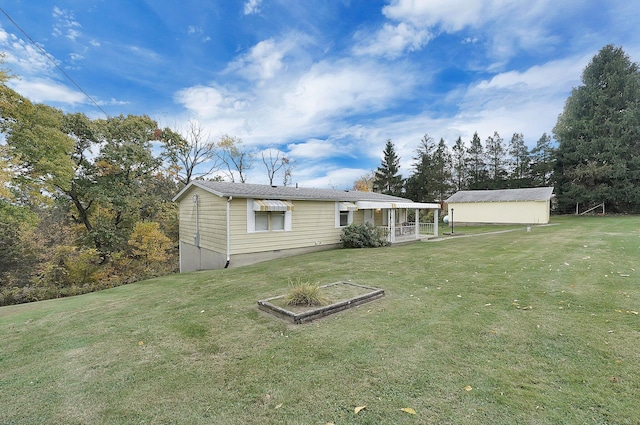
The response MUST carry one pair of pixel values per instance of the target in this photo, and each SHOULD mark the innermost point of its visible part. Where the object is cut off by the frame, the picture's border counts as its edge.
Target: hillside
(521, 327)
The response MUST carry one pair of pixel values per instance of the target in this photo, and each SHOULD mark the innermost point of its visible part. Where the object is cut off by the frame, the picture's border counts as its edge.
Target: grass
(527, 328)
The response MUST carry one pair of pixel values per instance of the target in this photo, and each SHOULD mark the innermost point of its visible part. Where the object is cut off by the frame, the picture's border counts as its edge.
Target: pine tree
(542, 161)
(496, 157)
(459, 165)
(387, 178)
(476, 163)
(520, 159)
(598, 157)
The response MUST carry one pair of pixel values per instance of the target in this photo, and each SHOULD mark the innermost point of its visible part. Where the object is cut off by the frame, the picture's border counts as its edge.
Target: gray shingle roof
(502, 195)
(244, 190)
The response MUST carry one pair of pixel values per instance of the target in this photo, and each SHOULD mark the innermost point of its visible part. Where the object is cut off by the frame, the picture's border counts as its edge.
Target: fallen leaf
(278, 406)
(487, 305)
(141, 343)
(358, 409)
(408, 410)
(468, 388)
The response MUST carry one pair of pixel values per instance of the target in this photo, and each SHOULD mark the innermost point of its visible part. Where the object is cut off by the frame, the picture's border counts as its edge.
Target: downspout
(228, 232)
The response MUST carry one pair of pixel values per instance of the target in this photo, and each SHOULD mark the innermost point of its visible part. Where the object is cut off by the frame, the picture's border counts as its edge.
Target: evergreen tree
(496, 157)
(520, 161)
(476, 164)
(420, 185)
(598, 157)
(387, 178)
(459, 165)
(442, 177)
(542, 161)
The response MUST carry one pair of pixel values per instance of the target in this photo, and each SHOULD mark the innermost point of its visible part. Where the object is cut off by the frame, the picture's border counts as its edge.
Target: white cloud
(42, 90)
(23, 58)
(452, 15)
(552, 75)
(298, 103)
(262, 62)
(252, 7)
(508, 26)
(65, 25)
(313, 148)
(393, 40)
(336, 178)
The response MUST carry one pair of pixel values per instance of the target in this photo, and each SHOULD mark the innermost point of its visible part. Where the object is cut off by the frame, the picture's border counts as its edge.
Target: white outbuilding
(511, 206)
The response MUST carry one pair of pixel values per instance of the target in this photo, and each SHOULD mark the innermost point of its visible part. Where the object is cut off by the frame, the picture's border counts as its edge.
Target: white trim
(339, 209)
(251, 216)
(347, 206)
(372, 205)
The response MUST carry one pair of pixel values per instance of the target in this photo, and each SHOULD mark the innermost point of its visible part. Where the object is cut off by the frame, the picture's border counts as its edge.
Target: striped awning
(348, 206)
(272, 205)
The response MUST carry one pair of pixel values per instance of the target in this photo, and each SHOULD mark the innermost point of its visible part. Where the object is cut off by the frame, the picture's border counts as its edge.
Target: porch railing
(406, 231)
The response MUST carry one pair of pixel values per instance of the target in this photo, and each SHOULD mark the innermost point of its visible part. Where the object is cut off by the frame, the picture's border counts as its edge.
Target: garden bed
(343, 295)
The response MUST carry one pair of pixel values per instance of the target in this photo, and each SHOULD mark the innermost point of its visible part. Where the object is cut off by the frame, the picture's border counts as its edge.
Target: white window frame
(349, 216)
(251, 220)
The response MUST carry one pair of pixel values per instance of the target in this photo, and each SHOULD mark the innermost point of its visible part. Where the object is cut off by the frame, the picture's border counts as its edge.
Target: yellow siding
(312, 224)
(212, 219)
(525, 212)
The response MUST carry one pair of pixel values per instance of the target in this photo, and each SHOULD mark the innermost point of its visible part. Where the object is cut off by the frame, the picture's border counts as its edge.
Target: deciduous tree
(194, 155)
(236, 159)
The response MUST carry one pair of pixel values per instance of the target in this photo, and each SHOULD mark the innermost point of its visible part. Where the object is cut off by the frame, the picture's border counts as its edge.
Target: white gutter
(370, 205)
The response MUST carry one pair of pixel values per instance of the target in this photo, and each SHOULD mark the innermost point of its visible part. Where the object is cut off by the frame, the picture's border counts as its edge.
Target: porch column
(417, 223)
(392, 225)
(435, 222)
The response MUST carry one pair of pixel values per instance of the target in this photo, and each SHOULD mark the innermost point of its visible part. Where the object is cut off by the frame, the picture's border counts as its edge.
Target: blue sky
(325, 82)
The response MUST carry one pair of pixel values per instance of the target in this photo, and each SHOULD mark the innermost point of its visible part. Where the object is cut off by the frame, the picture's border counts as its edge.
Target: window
(268, 215)
(277, 220)
(261, 221)
(344, 218)
(344, 213)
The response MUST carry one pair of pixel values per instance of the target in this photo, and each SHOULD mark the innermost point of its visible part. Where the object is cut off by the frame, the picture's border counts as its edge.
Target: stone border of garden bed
(318, 312)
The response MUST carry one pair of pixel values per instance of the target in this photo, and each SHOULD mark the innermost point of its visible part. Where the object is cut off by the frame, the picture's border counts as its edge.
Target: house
(226, 224)
(518, 206)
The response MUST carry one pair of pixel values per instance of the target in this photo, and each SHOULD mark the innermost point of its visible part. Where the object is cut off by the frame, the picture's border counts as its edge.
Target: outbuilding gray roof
(502, 195)
(244, 190)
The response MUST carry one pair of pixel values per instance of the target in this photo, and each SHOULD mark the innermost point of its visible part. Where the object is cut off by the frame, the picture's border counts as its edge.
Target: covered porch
(395, 222)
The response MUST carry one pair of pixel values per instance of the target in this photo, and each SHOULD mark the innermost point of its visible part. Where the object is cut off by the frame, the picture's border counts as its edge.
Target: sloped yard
(537, 327)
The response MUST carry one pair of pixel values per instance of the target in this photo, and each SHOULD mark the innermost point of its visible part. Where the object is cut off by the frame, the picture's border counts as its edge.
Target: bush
(362, 236)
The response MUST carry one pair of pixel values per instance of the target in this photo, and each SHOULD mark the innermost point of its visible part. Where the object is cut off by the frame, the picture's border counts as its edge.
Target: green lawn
(537, 327)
